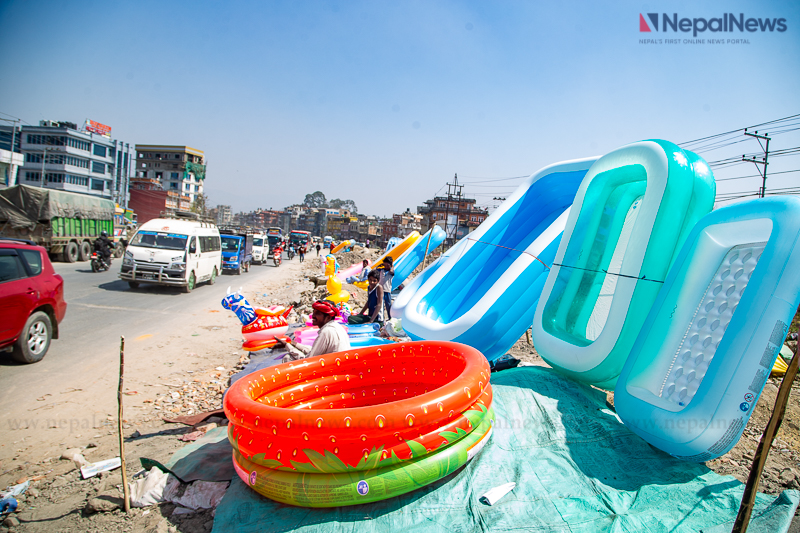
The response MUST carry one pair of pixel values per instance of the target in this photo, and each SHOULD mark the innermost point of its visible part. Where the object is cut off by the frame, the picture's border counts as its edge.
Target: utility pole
(764, 162)
(452, 189)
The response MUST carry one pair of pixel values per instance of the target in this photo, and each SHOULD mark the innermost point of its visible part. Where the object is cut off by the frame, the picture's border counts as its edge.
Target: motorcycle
(99, 263)
(276, 257)
(290, 253)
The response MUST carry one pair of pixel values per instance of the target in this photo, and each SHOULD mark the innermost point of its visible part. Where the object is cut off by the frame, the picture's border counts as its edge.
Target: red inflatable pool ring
(375, 402)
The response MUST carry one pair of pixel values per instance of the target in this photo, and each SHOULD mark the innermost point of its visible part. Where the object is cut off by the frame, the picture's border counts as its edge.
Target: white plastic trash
(495, 494)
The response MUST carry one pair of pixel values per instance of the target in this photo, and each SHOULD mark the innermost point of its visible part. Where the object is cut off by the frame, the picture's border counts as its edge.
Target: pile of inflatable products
(362, 425)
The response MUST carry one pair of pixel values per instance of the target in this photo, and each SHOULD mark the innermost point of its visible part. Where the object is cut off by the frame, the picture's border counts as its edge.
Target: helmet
(104, 234)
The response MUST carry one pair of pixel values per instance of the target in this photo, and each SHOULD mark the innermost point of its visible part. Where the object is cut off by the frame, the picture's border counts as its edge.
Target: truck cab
(260, 248)
(237, 251)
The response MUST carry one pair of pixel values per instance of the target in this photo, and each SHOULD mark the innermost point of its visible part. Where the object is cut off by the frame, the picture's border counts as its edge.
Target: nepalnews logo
(727, 23)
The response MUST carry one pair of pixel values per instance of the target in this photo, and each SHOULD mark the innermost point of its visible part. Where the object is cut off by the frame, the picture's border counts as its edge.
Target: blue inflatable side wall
(709, 342)
(483, 291)
(412, 257)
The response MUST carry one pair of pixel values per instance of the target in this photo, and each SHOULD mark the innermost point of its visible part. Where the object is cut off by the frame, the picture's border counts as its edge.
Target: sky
(384, 102)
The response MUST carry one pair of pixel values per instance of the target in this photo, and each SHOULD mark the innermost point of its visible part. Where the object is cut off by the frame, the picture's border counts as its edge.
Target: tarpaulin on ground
(576, 468)
(206, 459)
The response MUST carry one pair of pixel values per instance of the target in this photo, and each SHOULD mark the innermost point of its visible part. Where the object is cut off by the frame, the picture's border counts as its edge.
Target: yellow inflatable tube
(342, 245)
(400, 249)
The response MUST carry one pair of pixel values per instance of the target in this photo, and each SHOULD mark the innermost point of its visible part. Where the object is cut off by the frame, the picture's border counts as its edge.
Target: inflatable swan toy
(260, 327)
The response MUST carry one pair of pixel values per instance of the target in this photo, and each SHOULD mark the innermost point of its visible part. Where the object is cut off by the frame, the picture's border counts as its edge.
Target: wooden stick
(760, 458)
(125, 490)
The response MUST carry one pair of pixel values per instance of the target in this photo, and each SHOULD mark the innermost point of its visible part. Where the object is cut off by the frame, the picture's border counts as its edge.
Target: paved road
(101, 307)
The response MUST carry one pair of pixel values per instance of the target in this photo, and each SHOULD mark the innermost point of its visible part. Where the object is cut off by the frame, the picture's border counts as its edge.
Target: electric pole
(452, 189)
(763, 161)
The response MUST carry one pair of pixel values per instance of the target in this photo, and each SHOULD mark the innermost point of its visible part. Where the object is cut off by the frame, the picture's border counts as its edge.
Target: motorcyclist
(103, 245)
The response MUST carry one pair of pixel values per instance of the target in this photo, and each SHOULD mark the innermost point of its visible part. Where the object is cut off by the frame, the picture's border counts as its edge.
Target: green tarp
(577, 469)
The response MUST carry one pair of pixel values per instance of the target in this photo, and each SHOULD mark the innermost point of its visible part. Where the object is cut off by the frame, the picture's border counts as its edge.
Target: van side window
(192, 246)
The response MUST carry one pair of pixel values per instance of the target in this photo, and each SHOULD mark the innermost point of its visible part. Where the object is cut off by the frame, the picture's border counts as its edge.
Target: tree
(315, 199)
(350, 205)
(199, 204)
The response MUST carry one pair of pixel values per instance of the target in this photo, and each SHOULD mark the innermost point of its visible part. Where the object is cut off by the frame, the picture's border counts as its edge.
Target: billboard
(96, 127)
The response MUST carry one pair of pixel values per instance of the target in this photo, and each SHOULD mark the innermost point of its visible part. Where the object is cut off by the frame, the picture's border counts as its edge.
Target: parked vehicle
(31, 300)
(178, 251)
(260, 249)
(237, 250)
(64, 223)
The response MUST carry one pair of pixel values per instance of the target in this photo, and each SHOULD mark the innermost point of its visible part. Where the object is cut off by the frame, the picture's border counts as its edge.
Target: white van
(173, 251)
(260, 248)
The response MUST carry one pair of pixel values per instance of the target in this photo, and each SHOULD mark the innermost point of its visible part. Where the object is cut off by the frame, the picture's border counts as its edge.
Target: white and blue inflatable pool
(483, 291)
(709, 342)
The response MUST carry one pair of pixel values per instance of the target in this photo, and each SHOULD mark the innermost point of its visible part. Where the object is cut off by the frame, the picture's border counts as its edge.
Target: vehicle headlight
(128, 259)
(177, 266)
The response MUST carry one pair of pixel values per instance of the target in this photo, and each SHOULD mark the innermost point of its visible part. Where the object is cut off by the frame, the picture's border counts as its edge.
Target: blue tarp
(577, 469)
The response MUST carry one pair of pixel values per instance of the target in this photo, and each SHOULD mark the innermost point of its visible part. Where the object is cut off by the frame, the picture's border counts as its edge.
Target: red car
(31, 300)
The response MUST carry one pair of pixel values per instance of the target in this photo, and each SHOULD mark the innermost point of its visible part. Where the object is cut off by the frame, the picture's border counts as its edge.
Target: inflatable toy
(260, 327)
(415, 254)
(353, 270)
(400, 248)
(393, 241)
(713, 334)
(483, 291)
(371, 412)
(632, 212)
(342, 245)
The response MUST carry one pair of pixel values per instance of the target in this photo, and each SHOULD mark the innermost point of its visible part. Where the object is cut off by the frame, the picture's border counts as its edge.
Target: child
(363, 275)
(387, 273)
(373, 305)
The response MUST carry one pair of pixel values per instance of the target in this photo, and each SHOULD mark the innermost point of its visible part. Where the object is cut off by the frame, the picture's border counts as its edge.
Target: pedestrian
(302, 253)
(387, 274)
(373, 305)
(318, 249)
(332, 336)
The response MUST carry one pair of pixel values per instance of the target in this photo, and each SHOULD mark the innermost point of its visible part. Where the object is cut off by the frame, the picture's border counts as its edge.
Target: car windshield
(156, 239)
(230, 244)
(258, 241)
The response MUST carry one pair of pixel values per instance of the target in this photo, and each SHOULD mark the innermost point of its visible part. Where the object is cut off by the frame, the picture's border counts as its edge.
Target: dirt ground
(196, 372)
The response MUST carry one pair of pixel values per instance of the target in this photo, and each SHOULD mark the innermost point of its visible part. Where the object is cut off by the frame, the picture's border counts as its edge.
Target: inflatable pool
(332, 421)
(413, 257)
(483, 291)
(710, 341)
(631, 214)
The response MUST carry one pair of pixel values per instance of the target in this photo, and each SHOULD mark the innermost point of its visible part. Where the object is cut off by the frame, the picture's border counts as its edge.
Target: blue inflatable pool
(414, 256)
(631, 215)
(483, 291)
(707, 347)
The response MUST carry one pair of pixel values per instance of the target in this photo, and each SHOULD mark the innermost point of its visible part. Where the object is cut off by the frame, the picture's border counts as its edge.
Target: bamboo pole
(125, 490)
(760, 458)
(427, 246)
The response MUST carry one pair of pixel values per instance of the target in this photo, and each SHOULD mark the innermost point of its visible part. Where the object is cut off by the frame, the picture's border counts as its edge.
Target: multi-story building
(177, 168)
(149, 200)
(60, 156)
(224, 215)
(458, 216)
(11, 158)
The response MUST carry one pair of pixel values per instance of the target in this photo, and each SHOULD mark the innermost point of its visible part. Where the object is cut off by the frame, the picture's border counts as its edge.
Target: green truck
(65, 223)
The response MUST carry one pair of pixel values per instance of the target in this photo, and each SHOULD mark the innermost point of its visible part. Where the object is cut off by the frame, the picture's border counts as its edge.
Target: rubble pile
(195, 394)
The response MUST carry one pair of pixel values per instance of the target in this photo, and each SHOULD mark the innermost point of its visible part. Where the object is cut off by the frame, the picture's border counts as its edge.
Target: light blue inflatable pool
(632, 213)
(412, 257)
(708, 345)
(483, 291)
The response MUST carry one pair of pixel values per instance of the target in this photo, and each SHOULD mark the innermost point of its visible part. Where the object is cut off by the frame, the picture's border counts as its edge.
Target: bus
(300, 238)
(274, 236)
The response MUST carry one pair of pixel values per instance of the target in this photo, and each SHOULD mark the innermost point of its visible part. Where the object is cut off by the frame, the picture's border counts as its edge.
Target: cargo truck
(64, 223)
(237, 250)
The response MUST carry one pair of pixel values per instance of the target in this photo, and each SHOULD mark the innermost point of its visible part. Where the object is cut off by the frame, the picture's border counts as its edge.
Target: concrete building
(149, 200)
(11, 158)
(60, 156)
(179, 169)
(458, 216)
(224, 215)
